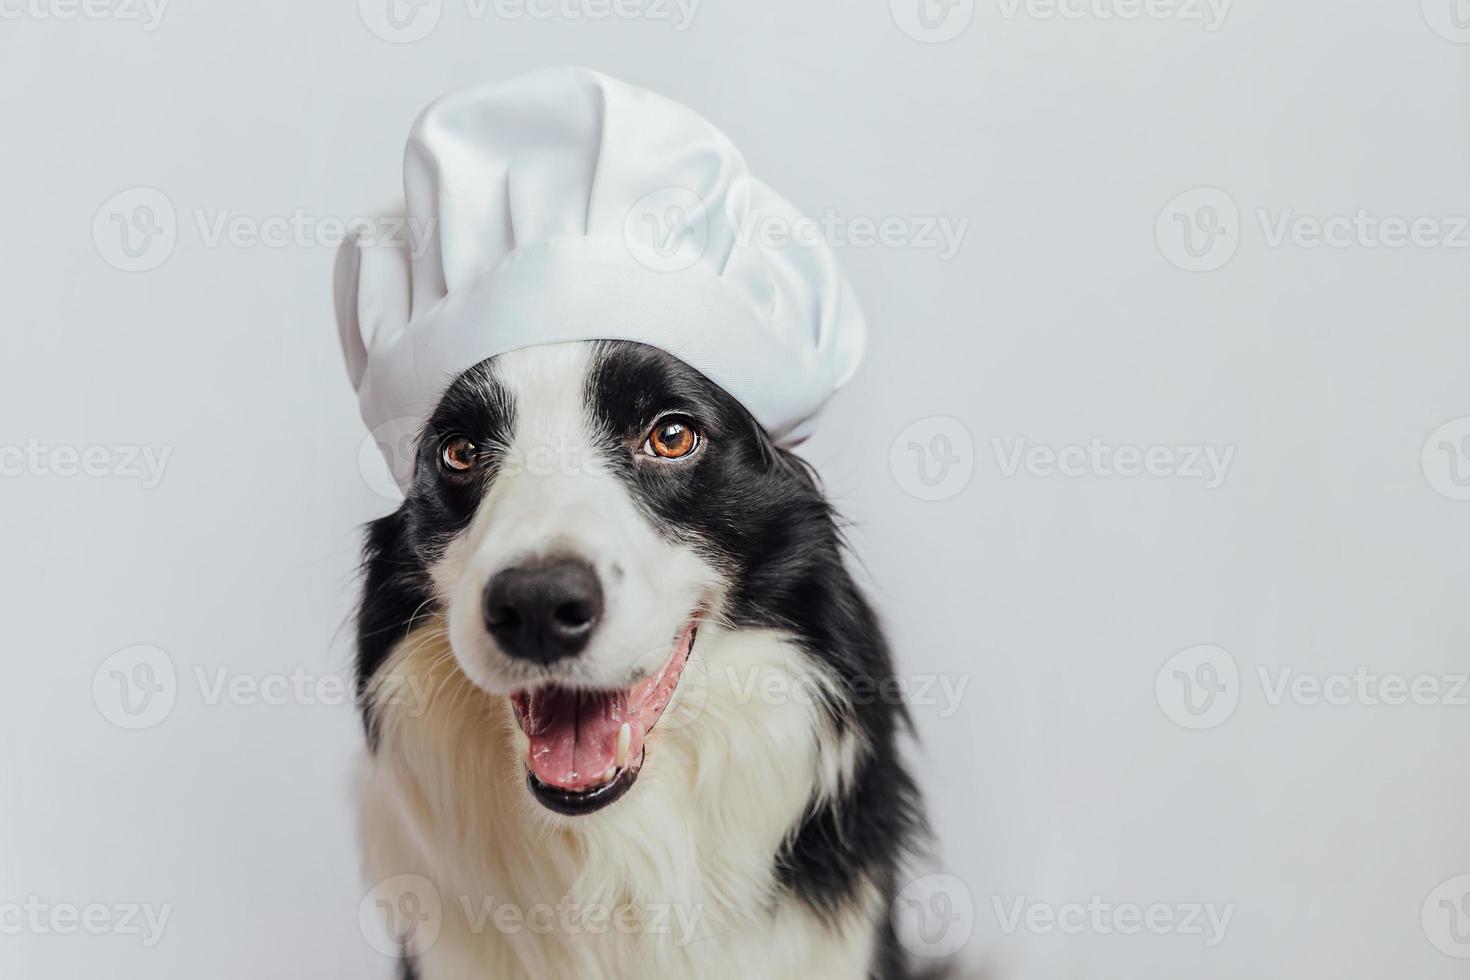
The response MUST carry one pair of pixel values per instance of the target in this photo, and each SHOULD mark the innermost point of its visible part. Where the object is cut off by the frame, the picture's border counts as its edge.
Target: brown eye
(674, 437)
(457, 454)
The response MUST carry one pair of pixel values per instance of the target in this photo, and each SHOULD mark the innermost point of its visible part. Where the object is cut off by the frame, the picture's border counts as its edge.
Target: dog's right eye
(457, 454)
(674, 437)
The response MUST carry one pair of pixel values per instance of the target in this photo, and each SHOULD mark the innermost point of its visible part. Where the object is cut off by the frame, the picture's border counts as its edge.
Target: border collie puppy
(619, 690)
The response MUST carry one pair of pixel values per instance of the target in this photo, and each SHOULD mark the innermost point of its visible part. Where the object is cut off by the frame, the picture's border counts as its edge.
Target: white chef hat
(566, 205)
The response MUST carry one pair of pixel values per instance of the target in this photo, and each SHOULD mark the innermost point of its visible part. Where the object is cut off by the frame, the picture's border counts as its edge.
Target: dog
(623, 701)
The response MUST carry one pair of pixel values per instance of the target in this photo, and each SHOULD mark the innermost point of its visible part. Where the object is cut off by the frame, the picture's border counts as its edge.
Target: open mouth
(584, 747)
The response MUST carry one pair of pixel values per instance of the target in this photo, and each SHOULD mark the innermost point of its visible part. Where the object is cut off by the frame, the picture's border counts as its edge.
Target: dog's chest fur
(678, 880)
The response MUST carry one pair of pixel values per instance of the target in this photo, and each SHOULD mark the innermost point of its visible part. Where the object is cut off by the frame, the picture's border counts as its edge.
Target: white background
(1065, 316)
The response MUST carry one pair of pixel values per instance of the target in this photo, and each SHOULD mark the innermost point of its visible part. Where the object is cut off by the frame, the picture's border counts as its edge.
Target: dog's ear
(777, 459)
(372, 290)
(800, 468)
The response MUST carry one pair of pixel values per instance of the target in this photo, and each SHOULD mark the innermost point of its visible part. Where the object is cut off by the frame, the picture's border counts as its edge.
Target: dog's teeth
(625, 739)
(523, 745)
(607, 776)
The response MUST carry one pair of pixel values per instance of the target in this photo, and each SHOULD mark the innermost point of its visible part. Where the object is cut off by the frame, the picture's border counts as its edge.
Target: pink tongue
(574, 735)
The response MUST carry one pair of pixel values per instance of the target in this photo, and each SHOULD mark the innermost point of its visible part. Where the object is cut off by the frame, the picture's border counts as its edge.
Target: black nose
(543, 611)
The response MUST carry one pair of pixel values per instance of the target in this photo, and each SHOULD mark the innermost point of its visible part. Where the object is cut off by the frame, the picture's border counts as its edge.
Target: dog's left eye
(673, 437)
(457, 454)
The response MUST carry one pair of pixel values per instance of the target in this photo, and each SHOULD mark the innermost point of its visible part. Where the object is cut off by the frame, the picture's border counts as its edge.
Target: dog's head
(580, 510)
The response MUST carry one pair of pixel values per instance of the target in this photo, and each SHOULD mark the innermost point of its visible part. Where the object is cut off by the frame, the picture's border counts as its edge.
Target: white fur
(726, 777)
(741, 752)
